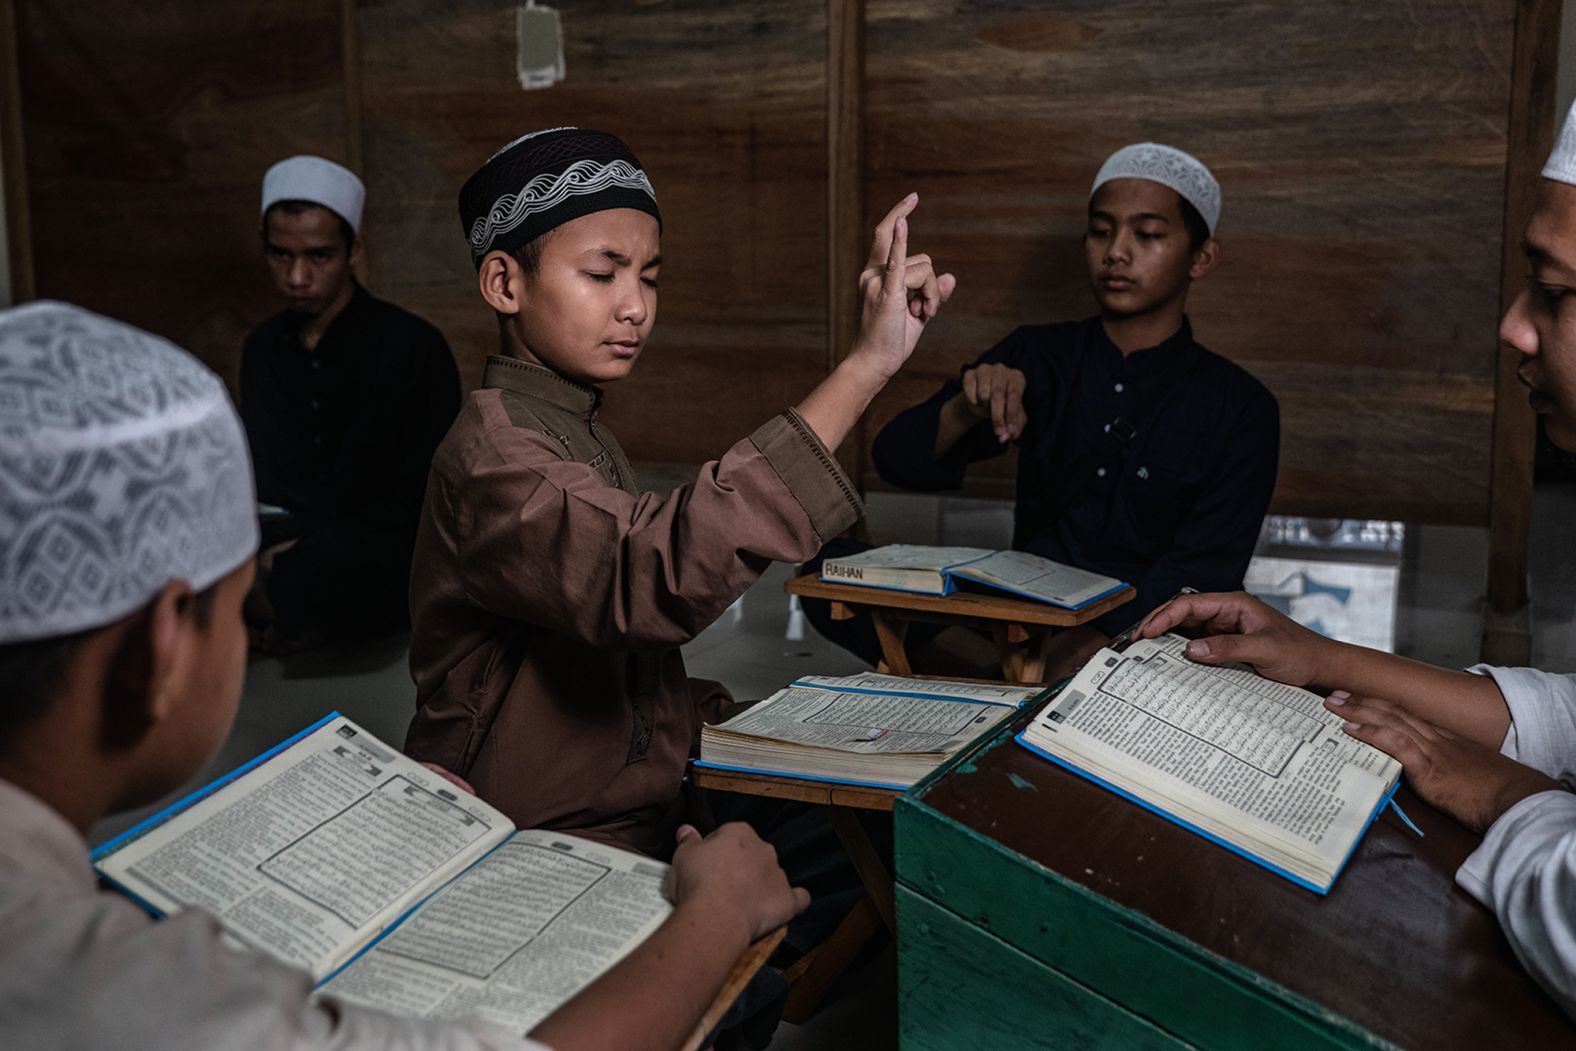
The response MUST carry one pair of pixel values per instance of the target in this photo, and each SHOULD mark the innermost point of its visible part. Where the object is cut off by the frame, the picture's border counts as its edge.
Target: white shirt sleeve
(1542, 731)
(1525, 869)
(1526, 872)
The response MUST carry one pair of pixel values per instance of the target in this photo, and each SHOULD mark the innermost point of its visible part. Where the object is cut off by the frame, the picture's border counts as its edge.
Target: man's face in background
(310, 258)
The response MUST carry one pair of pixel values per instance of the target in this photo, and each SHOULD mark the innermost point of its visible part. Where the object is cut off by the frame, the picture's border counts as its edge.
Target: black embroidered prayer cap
(543, 180)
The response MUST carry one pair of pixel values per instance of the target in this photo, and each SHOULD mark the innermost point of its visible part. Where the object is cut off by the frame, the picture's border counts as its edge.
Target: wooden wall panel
(148, 128)
(1361, 148)
(725, 105)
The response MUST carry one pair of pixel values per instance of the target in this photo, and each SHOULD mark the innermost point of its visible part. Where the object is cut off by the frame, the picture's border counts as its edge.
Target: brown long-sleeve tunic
(549, 598)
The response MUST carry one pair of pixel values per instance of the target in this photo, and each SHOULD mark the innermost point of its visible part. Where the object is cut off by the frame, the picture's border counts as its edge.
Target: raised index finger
(892, 283)
(882, 245)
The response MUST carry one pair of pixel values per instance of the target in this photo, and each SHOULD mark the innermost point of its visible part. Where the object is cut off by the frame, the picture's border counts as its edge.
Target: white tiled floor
(1439, 620)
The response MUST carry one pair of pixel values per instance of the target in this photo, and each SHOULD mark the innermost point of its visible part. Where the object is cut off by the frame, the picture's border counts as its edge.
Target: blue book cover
(1256, 766)
(1154, 808)
(938, 571)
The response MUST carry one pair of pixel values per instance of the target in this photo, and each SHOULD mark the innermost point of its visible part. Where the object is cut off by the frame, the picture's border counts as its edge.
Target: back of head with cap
(1170, 167)
(123, 466)
(545, 179)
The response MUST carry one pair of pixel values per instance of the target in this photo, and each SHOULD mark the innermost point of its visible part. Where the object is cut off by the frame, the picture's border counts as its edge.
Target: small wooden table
(1022, 627)
(1039, 910)
(812, 975)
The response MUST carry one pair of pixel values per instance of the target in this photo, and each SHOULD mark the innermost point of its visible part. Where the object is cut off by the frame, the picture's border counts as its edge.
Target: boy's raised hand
(732, 872)
(900, 294)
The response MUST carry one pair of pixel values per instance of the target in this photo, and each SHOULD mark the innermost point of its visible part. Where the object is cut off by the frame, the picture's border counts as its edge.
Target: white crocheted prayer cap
(1561, 166)
(123, 466)
(319, 180)
(1167, 166)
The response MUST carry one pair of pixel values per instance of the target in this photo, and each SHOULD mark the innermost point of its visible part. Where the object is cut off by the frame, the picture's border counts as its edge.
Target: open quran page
(1259, 765)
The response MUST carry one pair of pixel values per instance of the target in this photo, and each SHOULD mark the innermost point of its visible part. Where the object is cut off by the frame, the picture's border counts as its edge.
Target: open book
(869, 729)
(937, 571)
(1260, 767)
(395, 889)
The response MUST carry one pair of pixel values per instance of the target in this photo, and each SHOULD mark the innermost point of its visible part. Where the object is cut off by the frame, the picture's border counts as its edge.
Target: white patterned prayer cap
(319, 180)
(1167, 166)
(123, 466)
(1561, 166)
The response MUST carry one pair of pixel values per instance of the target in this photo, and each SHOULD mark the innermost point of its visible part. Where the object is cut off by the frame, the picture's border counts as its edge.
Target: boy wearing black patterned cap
(550, 595)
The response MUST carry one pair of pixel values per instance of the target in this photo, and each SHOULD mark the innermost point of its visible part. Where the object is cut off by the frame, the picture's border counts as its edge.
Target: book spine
(840, 573)
(709, 765)
(884, 578)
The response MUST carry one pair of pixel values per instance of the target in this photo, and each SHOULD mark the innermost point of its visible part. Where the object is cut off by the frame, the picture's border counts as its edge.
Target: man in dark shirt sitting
(1142, 455)
(344, 398)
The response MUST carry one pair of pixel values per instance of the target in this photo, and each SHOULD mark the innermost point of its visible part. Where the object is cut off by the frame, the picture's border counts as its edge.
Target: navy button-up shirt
(1155, 467)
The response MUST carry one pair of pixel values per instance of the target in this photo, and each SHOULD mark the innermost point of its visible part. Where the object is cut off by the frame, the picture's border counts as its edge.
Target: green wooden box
(1038, 910)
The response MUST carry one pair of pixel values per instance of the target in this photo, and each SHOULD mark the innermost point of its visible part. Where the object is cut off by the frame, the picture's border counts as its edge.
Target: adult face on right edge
(1541, 323)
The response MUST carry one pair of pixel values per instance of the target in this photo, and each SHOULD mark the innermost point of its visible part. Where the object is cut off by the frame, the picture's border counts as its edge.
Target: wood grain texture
(959, 986)
(802, 790)
(148, 129)
(1231, 955)
(725, 105)
(846, 242)
(13, 161)
(1361, 149)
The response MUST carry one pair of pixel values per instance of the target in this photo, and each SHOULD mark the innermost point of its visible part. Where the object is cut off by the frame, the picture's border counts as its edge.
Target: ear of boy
(89, 755)
(144, 689)
(1205, 259)
(500, 281)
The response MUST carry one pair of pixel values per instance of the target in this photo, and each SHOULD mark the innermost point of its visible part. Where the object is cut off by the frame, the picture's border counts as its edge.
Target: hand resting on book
(1444, 726)
(733, 874)
(1238, 628)
(1471, 782)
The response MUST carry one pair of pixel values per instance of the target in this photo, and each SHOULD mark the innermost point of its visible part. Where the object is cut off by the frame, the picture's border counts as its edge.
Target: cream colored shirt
(83, 969)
